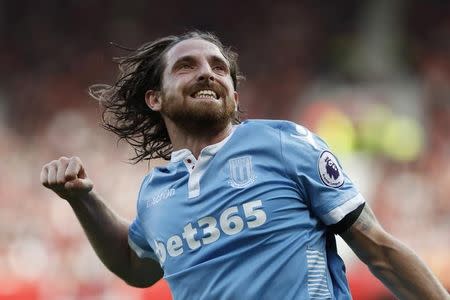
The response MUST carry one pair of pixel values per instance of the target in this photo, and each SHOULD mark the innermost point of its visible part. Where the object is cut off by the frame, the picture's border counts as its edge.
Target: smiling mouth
(205, 94)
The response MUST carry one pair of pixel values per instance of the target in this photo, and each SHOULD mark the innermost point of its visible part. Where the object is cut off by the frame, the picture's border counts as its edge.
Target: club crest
(329, 170)
(241, 172)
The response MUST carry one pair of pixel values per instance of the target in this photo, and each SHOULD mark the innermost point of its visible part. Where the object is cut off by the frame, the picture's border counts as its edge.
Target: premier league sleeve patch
(329, 170)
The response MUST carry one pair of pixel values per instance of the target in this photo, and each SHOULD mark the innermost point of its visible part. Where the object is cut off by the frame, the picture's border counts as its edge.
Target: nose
(205, 73)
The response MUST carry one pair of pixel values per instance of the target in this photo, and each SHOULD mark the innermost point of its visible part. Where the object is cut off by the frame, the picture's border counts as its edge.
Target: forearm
(106, 231)
(397, 266)
(404, 273)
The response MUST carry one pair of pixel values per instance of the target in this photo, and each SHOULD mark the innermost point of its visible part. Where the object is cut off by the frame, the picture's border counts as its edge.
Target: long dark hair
(125, 112)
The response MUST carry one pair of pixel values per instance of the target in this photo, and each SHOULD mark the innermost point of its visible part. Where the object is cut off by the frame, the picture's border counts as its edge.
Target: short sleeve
(138, 242)
(330, 193)
(136, 235)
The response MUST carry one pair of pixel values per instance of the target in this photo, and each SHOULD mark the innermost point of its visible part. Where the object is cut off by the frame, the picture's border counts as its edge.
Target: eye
(220, 68)
(186, 67)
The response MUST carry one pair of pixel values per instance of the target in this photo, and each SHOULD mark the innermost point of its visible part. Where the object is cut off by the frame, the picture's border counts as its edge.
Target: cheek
(182, 83)
(228, 84)
(173, 87)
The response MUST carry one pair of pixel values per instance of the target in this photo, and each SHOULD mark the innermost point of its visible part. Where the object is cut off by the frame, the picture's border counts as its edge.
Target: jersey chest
(239, 197)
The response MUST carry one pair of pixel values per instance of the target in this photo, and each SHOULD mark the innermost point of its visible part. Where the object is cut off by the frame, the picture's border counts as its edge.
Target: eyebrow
(186, 58)
(218, 59)
(191, 58)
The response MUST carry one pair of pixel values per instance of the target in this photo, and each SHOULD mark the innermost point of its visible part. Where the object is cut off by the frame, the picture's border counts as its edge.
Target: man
(242, 210)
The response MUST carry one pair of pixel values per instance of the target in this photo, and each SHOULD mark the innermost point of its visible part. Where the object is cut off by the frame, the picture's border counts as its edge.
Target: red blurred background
(371, 77)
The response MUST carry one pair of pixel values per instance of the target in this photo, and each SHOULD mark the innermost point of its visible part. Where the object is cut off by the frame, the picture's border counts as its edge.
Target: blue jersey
(250, 218)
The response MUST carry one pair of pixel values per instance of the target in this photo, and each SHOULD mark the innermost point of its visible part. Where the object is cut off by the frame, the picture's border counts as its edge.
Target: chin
(201, 114)
(203, 117)
(207, 114)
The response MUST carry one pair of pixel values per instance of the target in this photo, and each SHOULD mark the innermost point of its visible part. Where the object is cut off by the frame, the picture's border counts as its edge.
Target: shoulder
(292, 134)
(278, 127)
(144, 184)
(281, 125)
(161, 171)
(157, 175)
(156, 182)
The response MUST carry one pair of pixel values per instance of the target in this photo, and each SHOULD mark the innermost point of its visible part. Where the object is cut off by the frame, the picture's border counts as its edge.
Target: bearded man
(242, 210)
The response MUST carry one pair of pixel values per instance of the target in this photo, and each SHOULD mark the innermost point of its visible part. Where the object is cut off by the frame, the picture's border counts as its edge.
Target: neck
(195, 139)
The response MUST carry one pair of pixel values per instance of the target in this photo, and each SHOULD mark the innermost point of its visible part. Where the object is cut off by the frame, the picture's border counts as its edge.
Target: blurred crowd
(371, 77)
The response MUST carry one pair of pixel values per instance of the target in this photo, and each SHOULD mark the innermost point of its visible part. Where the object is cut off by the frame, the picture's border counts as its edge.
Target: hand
(67, 178)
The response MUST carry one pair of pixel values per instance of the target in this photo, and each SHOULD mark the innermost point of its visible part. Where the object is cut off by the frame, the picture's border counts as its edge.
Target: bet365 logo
(230, 223)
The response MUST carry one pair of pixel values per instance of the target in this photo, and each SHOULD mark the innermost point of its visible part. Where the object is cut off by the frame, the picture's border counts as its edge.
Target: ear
(153, 100)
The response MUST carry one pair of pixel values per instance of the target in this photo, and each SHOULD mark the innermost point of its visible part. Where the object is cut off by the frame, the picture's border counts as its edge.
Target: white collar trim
(210, 150)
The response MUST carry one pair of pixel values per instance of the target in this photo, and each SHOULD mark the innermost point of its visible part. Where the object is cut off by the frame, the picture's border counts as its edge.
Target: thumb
(82, 184)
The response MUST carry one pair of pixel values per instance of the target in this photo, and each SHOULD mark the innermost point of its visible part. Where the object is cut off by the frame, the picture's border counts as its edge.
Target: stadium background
(372, 77)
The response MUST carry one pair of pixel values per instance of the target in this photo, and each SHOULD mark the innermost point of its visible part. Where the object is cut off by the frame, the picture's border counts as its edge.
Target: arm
(106, 231)
(397, 266)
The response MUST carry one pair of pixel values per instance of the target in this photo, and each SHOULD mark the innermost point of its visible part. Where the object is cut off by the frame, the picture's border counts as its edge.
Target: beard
(203, 117)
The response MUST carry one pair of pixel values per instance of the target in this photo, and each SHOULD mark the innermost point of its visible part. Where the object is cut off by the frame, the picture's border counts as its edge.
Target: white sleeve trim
(341, 211)
(141, 253)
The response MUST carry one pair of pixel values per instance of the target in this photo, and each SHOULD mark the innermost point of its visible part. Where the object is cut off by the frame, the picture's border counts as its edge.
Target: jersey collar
(210, 150)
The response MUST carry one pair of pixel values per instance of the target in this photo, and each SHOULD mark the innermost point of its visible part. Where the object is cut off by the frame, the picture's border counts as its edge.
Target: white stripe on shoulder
(341, 211)
(141, 253)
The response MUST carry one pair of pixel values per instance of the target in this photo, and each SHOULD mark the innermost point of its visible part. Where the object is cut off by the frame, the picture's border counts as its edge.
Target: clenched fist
(67, 178)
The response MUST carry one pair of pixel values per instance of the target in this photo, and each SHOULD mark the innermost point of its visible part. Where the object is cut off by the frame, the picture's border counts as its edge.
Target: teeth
(206, 94)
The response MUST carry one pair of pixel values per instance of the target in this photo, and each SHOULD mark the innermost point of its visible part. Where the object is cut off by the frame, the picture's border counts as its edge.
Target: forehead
(193, 47)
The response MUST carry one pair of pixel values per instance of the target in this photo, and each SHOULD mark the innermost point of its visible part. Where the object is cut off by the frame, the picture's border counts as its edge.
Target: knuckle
(63, 159)
(76, 159)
